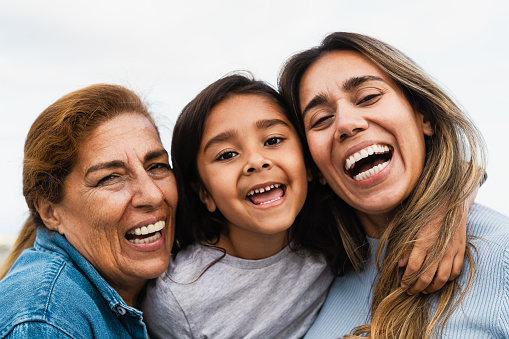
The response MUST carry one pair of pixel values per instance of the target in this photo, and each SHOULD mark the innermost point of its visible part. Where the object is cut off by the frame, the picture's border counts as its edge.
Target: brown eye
(226, 155)
(273, 141)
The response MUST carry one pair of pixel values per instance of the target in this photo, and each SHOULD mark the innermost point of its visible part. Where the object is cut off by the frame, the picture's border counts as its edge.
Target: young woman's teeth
(261, 190)
(144, 230)
(375, 149)
(372, 171)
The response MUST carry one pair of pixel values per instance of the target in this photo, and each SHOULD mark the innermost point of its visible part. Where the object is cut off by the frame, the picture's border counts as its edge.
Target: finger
(457, 264)
(442, 275)
(459, 240)
(423, 281)
(415, 260)
(403, 261)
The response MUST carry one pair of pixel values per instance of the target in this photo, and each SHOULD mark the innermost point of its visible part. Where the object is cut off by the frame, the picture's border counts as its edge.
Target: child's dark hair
(312, 229)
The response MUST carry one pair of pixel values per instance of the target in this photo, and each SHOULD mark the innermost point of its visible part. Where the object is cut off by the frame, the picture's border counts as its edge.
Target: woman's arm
(449, 267)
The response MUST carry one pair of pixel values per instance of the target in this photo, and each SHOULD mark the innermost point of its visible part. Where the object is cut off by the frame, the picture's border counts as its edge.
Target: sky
(167, 51)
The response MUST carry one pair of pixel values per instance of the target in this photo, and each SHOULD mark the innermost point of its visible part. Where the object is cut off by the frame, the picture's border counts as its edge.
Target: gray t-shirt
(276, 297)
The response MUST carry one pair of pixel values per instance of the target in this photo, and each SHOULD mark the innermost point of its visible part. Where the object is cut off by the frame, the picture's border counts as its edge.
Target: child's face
(252, 166)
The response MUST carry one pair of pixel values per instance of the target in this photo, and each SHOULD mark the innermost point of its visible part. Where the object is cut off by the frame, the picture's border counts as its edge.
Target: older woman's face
(362, 132)
(119, 202)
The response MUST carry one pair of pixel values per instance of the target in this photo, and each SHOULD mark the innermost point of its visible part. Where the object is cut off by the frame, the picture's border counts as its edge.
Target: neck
(252, 245)
(373, 224)
(131, 294)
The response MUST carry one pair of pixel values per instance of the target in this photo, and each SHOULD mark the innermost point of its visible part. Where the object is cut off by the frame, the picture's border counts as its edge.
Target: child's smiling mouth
(367, 162)
(266, 194)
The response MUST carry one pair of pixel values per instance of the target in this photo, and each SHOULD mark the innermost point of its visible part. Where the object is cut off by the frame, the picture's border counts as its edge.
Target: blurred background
(167, 51)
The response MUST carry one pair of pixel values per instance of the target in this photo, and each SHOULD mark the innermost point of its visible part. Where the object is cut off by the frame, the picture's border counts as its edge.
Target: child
(245, 272)
(255, 259)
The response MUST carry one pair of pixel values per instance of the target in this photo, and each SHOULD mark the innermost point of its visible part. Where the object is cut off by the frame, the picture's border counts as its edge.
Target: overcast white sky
(168, 51)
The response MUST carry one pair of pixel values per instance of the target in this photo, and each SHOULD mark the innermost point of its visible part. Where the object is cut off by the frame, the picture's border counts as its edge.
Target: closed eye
(108, 179)
(370, 99)
(321, 121)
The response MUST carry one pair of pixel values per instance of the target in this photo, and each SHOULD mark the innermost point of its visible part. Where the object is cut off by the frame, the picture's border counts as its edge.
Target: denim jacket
(52, 291)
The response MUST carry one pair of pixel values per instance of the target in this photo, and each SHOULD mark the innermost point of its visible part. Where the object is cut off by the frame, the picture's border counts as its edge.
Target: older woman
(395, 148)
(102, 201)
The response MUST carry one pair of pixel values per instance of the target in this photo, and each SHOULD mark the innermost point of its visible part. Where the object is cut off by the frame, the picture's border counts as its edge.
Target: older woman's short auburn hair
(53, 142)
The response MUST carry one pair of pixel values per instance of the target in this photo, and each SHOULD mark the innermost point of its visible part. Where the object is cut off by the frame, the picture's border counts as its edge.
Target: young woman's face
(119, 202)
(362, 132)
(251, 165)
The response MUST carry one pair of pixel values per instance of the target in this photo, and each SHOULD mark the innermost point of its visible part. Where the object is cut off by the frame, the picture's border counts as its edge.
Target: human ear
(206, 199)
(49, 215)
(427, 129)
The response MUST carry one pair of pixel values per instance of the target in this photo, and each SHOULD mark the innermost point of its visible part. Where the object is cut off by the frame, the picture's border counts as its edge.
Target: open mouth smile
(267, 194)
(367, 162)
(145, 234)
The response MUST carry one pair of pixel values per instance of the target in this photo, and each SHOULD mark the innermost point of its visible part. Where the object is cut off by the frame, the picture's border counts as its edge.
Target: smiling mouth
(145, 234)
(368, 162)
(266, 195)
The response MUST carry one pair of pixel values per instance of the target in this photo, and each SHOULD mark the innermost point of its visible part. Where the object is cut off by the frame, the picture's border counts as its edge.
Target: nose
(349, 122)
(256, 162)
(146, 192)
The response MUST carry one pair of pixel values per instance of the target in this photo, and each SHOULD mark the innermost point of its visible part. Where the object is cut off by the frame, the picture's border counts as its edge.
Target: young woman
(395, 148)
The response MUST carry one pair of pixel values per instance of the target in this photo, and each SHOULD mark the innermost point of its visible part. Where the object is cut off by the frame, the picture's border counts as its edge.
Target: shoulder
(488, 232)
(189, 263)
(46, 288)
(36, 330)
(486, 299)
(486, 222)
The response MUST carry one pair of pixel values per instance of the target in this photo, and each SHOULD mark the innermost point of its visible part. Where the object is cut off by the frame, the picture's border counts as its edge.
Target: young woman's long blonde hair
(454, 166)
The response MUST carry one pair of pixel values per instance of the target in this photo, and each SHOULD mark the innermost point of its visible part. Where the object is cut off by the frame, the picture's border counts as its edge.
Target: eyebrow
(155, 154)
(221, 137)
(351, 83)
(348, 85)
(119, 163)
(260, 124)
(266, 123)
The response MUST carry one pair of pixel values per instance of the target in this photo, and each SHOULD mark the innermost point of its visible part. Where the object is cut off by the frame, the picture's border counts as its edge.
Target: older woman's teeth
(261, 190)
(372, 171)
(148, 229)
(364, 153)
(146, 240)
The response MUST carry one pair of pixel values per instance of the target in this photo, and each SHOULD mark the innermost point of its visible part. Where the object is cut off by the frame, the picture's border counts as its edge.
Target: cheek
(105, 212)
(319, 146)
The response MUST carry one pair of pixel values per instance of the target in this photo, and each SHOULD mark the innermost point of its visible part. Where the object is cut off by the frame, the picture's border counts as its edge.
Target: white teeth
(152, 238)
(268, 202)
(364, 153)
(143, 230)
(372, 171)
(261, 190)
